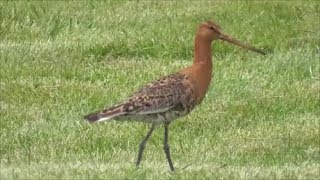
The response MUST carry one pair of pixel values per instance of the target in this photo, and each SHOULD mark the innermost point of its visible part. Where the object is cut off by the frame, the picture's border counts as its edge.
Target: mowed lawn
(61, 60)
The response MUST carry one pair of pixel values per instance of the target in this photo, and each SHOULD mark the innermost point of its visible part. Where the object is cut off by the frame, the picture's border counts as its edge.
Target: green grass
(62, 60)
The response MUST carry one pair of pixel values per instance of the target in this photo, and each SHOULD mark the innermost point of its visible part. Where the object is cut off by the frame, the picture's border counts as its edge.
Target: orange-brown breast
(201, 73)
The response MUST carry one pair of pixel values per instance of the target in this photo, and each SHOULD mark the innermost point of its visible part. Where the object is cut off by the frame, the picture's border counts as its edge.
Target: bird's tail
(105, 114)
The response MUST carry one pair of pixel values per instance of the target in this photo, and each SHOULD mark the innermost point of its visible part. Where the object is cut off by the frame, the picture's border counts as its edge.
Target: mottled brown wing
(162, 95)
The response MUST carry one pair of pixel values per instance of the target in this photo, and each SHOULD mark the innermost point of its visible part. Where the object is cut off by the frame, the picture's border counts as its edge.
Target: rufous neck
(202, 51)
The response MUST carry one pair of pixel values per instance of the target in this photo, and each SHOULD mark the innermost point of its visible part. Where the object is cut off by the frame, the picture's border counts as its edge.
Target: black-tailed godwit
(173, 96)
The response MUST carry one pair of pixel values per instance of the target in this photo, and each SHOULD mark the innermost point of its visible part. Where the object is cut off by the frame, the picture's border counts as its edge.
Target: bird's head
(210, 31)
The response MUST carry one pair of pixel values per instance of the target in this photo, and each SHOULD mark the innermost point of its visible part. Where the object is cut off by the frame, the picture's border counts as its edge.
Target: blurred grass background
(63, 59)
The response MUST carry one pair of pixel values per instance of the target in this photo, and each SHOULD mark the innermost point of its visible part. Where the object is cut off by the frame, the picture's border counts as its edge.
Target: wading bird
(172, 96)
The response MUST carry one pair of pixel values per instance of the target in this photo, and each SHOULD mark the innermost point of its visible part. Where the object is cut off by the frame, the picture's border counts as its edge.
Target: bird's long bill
(234, 41)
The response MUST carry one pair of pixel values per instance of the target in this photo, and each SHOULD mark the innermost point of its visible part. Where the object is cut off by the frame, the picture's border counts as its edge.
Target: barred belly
(167, 116)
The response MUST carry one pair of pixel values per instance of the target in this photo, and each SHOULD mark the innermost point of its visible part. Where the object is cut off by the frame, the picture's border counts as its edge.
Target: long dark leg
(143, 143)
(166, 146)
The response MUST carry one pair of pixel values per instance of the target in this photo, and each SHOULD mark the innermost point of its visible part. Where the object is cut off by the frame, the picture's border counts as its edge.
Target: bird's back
(164, 100)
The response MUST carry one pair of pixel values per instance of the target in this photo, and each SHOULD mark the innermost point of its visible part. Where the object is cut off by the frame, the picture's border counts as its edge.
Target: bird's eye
(211, 27)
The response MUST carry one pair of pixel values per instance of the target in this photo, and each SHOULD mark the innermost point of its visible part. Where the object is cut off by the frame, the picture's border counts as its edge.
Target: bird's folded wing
(159, 96)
